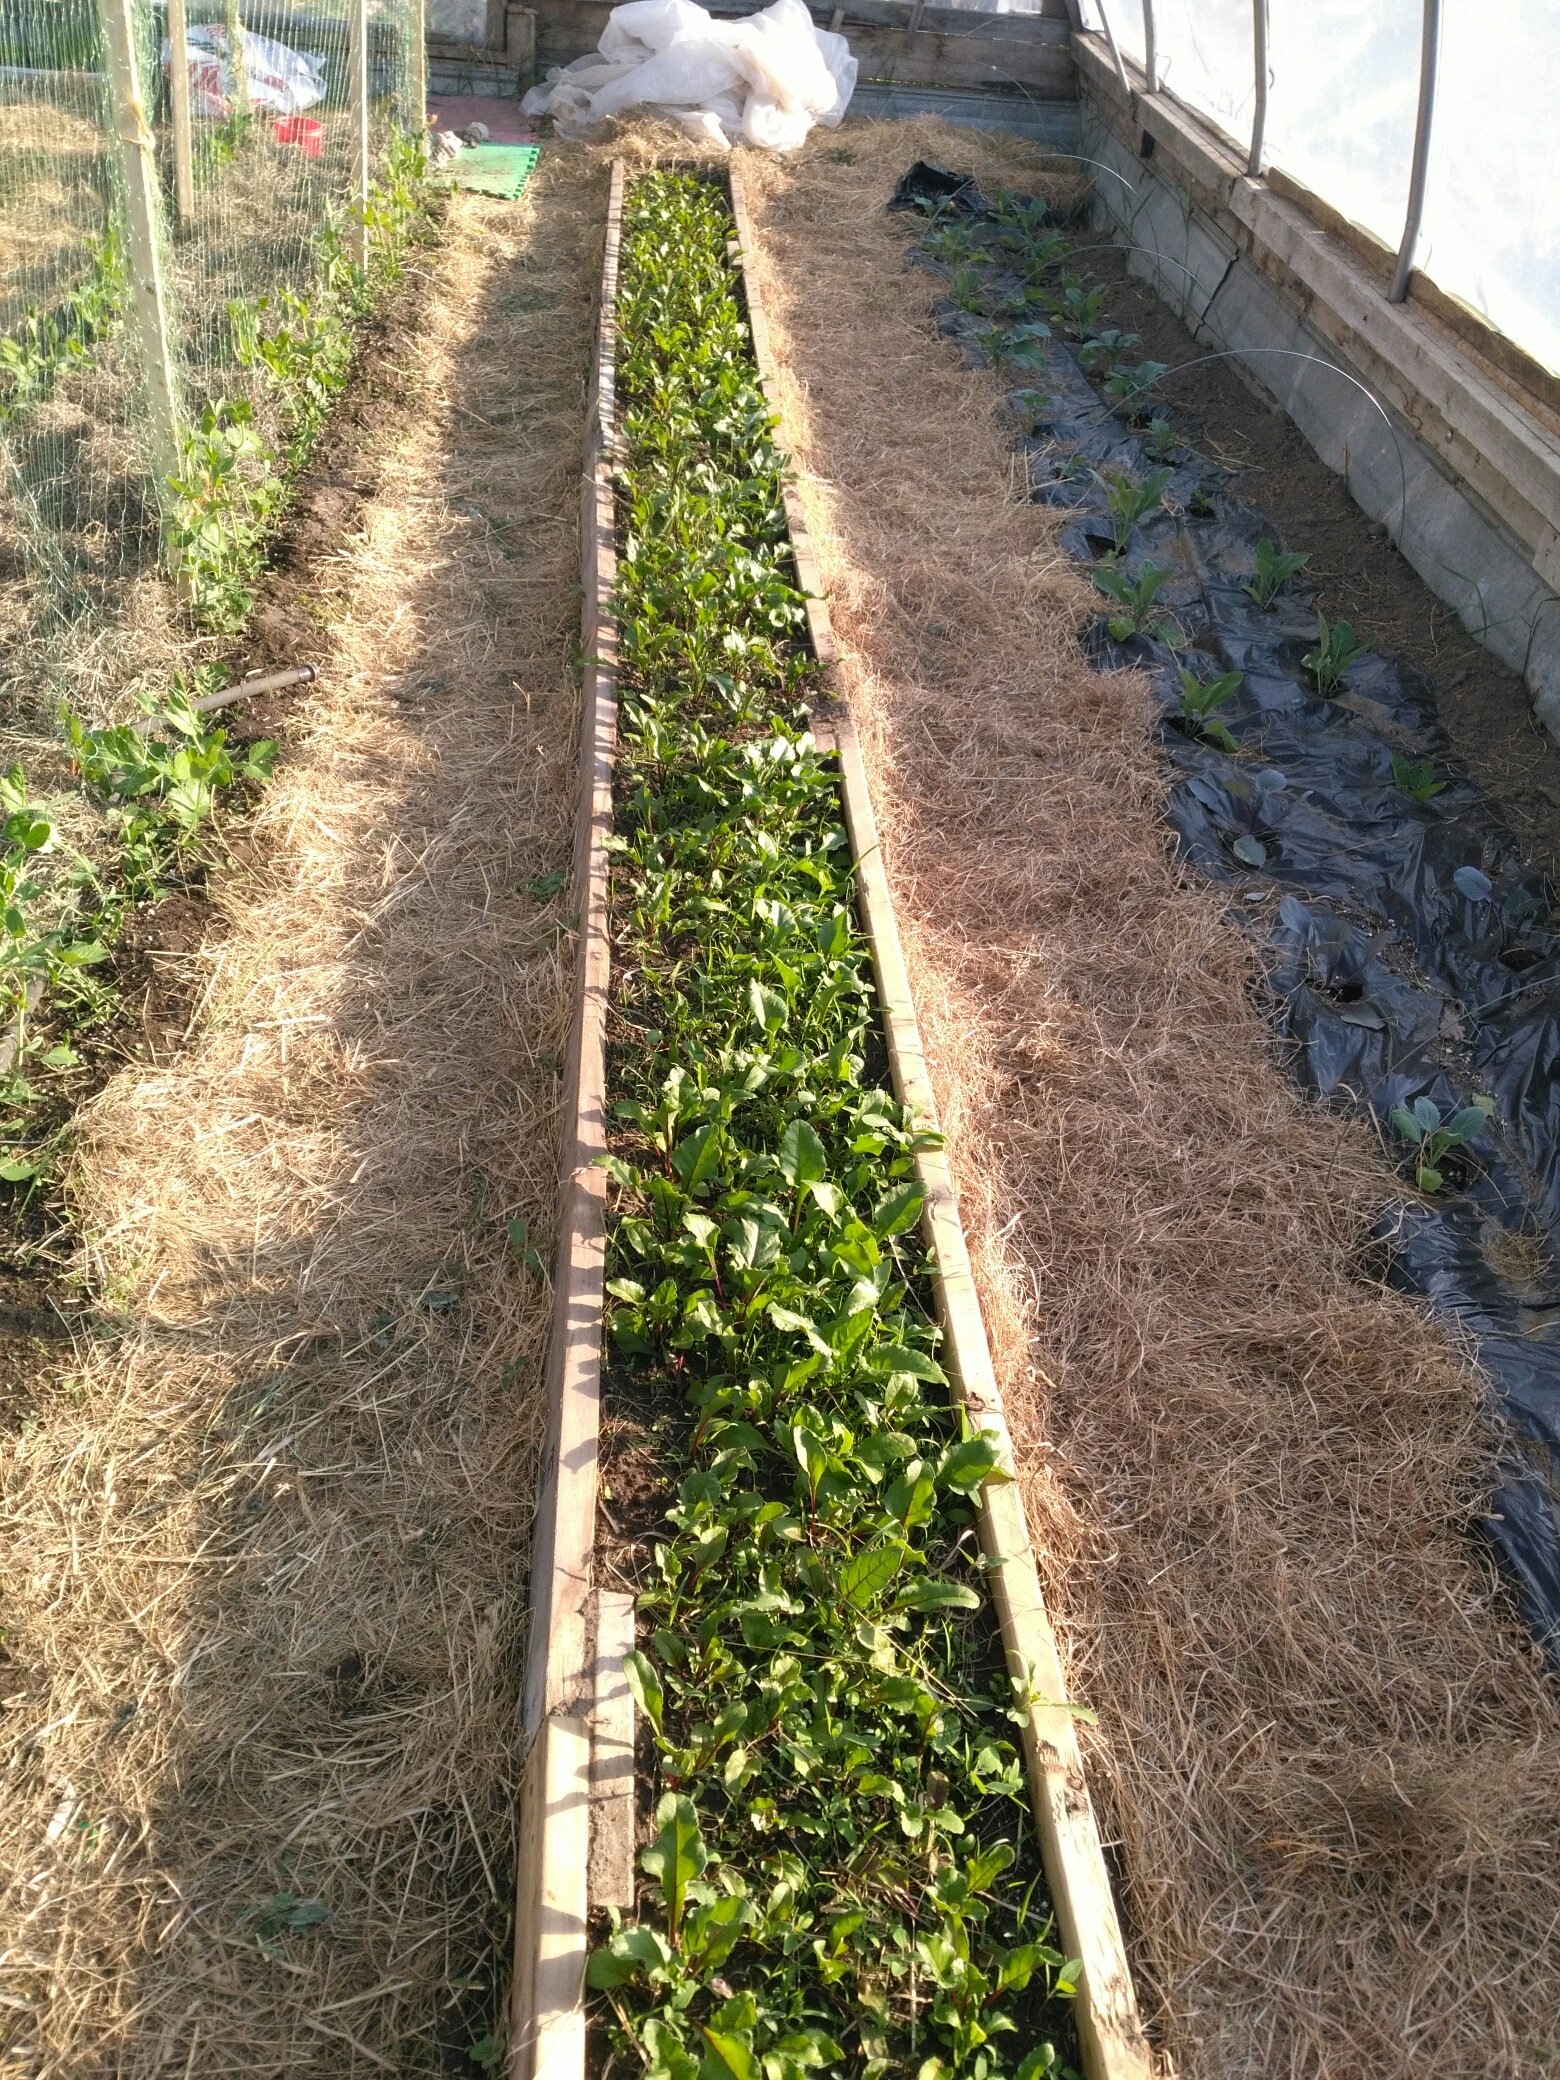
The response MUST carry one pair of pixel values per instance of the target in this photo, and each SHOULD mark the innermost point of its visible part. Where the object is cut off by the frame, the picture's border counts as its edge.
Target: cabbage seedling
(1199, 698)
(1127, 499)
(1127, 387)
(1432, 1139)
(1134, 596)
(1017, 346)
(1105, 347)
(1275, 568)
(1416, 778)
(1336, 649)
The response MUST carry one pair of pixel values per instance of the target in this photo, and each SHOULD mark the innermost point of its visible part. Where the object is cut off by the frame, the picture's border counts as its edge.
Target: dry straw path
(264, 1548)
(1326, 1751)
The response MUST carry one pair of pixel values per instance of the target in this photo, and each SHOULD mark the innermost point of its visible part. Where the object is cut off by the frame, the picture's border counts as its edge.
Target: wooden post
(418, 55)
(357, 97)
(179, 97)
(138, 173)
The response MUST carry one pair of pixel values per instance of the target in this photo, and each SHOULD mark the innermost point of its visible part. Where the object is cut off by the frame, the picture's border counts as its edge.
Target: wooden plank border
(1110, 2030)
(551, 1923)
(547, 2033)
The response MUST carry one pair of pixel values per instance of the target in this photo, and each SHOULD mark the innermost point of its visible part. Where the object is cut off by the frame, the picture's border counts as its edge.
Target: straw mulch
(1329, 1756)
(262, 1571)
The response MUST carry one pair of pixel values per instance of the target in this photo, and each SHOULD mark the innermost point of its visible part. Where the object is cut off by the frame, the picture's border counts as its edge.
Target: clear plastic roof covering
(1343, 91)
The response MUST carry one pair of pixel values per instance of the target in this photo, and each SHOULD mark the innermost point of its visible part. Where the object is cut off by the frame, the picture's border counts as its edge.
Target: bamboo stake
(357, 94)
(179, 96)
(238, 62)
(138, 173)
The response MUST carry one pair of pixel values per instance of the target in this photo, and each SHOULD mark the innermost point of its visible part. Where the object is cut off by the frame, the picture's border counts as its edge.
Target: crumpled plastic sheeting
(762, 80)
(1391, 981)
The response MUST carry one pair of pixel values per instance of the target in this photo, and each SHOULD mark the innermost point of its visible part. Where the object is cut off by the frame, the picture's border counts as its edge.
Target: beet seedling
(1199, 699)
(1432, 1139)
(1416, 778)
(1336, 649)
(1275, 568)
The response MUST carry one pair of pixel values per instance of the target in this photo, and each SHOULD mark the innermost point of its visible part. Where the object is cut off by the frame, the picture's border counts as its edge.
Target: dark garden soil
(1363, 577)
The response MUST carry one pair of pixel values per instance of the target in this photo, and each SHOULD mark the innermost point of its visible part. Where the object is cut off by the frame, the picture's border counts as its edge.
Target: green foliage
(223, 506)
(220, 510)
(1159, 439)
(218, 144)
(1013, 346)
(1416, 777)
(1200, 698)
(44, 344)
(1129, 499)
(1334, 651)
(1135, 597)
(1105, 349)
(37, 944)
(1127, 388)
(843, 1872)
(1081, 308)
(1431, 1139)
(1275, 568)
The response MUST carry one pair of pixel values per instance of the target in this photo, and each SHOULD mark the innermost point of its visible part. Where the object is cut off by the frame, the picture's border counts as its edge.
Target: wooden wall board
(547, 2036)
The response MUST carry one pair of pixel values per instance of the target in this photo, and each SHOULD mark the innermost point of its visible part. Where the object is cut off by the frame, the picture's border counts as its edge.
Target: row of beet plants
(843, 1876)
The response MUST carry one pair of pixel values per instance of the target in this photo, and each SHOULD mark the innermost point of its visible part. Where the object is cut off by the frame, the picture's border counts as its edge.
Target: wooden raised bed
(577, 1819)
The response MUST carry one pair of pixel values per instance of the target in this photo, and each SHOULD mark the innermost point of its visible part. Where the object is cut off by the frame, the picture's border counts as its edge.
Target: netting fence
(184, 247)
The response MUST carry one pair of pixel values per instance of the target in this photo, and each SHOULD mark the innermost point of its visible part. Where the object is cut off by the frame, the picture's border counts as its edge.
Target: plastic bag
(280, 78)
(762, 80)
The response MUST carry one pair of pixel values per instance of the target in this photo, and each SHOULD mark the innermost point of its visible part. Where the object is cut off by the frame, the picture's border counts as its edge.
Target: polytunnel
(779, 1099)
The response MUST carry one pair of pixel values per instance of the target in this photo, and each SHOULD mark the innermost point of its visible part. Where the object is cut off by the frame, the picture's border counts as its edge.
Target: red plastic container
(306, 134)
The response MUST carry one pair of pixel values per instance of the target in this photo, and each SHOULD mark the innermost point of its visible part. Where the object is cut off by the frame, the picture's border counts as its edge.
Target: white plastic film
(1206, 60)
(1345, 85)
(1491, 230)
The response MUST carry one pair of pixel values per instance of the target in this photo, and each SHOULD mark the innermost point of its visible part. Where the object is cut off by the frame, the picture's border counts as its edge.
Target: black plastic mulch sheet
(1410, 952)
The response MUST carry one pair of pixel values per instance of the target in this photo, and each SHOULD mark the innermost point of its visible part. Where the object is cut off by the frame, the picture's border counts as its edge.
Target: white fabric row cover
(762, 80)
(1342, 95)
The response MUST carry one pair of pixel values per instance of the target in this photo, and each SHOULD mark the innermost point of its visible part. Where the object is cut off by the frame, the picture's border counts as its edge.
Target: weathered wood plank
(551, 1937)
(613, 1813)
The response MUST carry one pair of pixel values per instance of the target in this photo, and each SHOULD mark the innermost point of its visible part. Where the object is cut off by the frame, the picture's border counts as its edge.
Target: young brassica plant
(1335, 650)
(1199, 699)
(1416, 777)
(1128, 499)
(1432, 1139)
(1275, 568)
(1134, 597)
